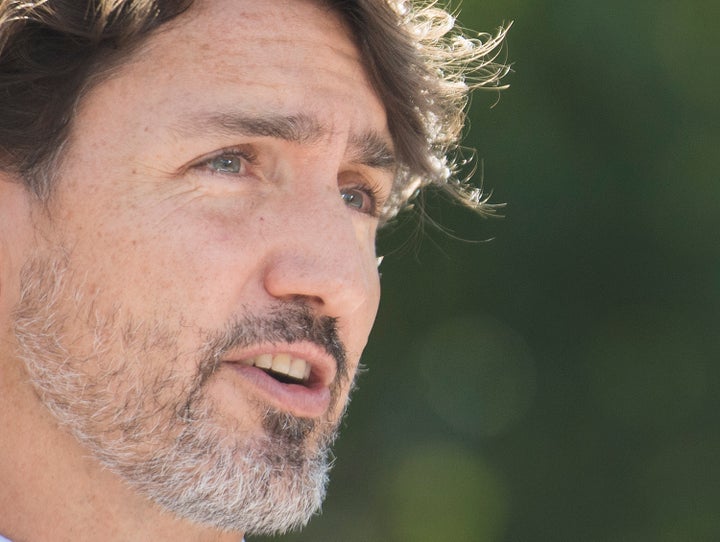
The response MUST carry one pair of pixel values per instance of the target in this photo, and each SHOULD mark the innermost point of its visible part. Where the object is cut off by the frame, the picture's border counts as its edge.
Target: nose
(323, 254)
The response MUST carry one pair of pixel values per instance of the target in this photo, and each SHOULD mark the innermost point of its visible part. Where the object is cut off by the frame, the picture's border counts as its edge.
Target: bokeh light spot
(446, 492)
(478, 373)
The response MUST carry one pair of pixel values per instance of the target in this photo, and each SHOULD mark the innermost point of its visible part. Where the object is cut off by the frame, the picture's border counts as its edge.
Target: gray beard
(160, 432)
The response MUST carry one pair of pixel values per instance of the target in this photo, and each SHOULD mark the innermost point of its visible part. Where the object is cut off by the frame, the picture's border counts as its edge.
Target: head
(190, 206)
(421, 67)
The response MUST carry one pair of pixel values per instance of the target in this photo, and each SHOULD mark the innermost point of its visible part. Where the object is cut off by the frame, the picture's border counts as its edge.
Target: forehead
(294, 54)
(285, 58)
(256, 27)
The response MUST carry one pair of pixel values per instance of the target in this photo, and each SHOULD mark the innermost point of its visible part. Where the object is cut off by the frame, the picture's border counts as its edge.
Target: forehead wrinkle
(299, 128)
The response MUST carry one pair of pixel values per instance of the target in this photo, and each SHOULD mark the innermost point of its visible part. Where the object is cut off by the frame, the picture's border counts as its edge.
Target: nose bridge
(318, 252)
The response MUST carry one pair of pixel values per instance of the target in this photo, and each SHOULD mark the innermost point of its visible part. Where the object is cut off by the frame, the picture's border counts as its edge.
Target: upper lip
(323, 367)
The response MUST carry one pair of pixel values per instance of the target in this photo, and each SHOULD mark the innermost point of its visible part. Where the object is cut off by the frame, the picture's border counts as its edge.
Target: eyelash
(373, 192)
(370, 189)
(246, 155)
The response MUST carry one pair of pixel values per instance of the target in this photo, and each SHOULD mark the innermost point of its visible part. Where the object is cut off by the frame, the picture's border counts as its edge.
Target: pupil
(226, 164)
(352, 199)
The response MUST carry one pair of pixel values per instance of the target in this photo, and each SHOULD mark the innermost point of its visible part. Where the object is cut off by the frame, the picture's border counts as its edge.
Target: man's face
(214, 216)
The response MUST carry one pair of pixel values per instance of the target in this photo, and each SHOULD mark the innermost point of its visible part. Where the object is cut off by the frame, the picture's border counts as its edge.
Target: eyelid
(374, 190)
(244, 152)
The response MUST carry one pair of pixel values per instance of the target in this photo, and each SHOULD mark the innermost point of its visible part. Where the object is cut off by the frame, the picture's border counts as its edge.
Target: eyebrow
(369, 149)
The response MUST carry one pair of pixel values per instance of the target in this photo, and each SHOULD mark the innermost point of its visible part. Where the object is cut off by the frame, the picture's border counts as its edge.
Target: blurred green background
(558, 382)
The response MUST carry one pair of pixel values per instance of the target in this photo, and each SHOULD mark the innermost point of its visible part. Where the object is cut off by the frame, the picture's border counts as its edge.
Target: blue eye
(226, 163)
(231, 161)
(359, 199)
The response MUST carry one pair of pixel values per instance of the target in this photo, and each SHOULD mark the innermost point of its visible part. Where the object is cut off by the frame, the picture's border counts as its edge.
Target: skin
(153, 228)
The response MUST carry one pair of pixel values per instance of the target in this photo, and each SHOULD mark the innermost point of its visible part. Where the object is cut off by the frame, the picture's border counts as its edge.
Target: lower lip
(310, 401)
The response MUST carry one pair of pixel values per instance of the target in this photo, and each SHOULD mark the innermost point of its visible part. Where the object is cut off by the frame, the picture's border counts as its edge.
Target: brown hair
(52, 51)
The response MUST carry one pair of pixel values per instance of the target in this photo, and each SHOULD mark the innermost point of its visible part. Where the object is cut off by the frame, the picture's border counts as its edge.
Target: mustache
(288, 322)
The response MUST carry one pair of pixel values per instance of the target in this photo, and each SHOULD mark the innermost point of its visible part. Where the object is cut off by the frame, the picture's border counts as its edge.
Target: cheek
(161, 262)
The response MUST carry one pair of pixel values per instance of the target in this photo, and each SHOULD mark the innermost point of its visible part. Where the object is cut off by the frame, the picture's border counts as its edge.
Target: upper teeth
(285, 364)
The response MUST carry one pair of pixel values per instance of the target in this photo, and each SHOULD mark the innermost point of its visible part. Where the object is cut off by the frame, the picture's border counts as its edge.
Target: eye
(362, 199)
(227, 162)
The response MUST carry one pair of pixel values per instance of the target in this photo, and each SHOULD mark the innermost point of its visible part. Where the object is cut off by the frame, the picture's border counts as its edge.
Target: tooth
(264, 361)
(298, 368)
(281, 363)
(249, 362)
(307, 371)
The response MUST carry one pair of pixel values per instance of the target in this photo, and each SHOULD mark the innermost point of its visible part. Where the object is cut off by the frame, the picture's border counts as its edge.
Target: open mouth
(297, 380)
(282, 367)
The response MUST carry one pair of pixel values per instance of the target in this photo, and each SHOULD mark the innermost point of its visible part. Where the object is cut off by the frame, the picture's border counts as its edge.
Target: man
(189, 196)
